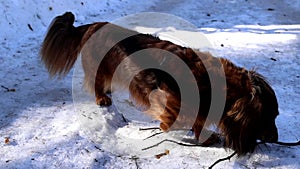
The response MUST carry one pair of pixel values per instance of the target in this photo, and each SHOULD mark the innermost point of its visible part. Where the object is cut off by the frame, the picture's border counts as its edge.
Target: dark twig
(150, 128)
(29, 26)
(288, 144)
(124, 119)
(222, 159)
(172, 141)
(282, 143)
(153, 135)
(135, 159)
(8, 89)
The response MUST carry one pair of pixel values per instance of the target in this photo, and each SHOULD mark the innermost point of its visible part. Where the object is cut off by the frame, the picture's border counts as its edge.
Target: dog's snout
(270, 135)
(273, 138)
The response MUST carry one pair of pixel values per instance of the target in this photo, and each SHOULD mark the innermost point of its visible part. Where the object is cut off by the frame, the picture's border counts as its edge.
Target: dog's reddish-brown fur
(250, 109)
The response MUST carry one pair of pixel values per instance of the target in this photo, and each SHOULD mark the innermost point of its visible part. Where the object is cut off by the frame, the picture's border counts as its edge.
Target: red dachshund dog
(250, 106)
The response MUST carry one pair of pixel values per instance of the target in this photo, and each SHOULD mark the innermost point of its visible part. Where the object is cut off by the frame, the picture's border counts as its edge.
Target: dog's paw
(164, 127)
(103, 100)
(213, 139)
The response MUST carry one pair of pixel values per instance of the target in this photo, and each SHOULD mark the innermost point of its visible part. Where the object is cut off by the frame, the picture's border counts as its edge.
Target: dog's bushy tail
(61, 45)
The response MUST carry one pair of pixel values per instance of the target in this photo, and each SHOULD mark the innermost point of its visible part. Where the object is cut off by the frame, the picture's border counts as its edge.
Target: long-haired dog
(250, 107)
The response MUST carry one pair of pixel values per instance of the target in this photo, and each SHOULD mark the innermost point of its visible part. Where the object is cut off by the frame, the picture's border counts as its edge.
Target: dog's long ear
(240, 123)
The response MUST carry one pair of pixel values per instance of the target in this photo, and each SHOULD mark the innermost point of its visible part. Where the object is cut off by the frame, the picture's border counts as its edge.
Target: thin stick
(153, 135)
(150, 128)
(172, 141)
(135, 158)
(282, 143)
(222, 159)
(288, 144)
(8, 89)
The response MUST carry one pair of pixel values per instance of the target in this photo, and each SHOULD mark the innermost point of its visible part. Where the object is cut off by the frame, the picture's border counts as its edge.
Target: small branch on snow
(124, 119)
(222, 159)
(29, 26)
(8, 89)
(282, 143)
(135, 158)
(150, 128)
(288, 144)
(153, 135)
(172, 141)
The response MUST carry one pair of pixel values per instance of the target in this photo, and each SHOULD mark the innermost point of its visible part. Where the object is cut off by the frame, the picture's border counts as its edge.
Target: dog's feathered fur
(251, 105)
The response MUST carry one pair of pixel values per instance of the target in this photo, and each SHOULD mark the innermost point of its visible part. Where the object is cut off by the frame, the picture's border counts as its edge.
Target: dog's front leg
(102, 86)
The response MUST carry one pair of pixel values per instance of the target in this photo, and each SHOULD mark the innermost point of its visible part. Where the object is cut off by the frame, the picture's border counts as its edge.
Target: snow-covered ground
(43, 126)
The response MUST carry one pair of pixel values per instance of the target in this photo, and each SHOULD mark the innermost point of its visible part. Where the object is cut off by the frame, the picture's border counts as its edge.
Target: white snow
(50, 123)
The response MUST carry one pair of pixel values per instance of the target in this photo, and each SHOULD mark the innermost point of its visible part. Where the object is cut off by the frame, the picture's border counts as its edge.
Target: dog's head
(251, 117)
(268, 110)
